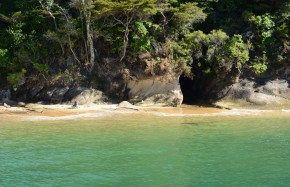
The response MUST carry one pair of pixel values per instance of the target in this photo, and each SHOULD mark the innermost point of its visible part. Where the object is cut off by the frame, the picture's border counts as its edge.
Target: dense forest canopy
(67, 42)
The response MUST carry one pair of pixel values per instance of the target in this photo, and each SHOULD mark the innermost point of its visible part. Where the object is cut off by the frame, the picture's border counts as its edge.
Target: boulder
(155, 90)
(83, 96)
(21, 104)
(47, 94)
(126, 105)
(257, 93)
(58, 94)
(280, 88)
(34, 92)
(54, 95)
(5, 95)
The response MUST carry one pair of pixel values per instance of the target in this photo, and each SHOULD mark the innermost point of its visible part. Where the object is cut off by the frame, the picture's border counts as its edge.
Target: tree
(128, 13)
(237, 52)
(84, 7)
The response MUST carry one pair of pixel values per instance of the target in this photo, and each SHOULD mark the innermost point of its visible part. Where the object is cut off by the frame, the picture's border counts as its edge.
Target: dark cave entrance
(186, 85)
(192, 90)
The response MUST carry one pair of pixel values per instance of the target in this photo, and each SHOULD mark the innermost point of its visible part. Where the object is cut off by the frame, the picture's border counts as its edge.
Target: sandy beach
(57, 111)
(65, 112)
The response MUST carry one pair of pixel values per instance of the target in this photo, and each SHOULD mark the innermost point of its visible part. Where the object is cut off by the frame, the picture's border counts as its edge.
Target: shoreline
(65, 111)
(36, 112)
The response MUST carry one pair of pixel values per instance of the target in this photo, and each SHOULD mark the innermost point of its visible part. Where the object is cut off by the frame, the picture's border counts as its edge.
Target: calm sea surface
(147, 151)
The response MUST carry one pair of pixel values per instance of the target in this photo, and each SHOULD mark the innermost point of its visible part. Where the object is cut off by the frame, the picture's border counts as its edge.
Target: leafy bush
(16, 79)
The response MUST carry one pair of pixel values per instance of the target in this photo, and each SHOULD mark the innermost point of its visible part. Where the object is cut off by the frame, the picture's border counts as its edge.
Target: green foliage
(3, 62)
(14, 79)
(216, 40)
(141, 40)
(184, 17)
(264, 24)
(3, 52)
(41, 67)
(208, 50)
(196, 40)
(141, 29)
(237, 50)
(16, 33)
(180, 54)
(189, 13)
(259, 64)
(209, 38)
(259, 68)
(217, 37)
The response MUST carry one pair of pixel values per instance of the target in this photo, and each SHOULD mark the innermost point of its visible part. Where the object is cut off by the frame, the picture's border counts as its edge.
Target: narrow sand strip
(63, 112)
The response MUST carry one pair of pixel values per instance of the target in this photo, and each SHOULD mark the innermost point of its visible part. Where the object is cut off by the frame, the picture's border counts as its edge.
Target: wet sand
(110, 111)
(21, 113)
(185, 109)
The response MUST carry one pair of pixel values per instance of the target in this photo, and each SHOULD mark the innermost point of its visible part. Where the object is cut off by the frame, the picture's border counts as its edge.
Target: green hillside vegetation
(62, 42)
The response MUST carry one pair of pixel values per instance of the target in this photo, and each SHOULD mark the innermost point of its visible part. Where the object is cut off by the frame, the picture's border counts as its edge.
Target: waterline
(112, 113)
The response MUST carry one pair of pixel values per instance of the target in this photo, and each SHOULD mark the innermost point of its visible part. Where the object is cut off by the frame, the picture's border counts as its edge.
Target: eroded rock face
(266, 93)
(55, 95)
(155, 90)
(5, 95)
(58, 95)
(84, 96)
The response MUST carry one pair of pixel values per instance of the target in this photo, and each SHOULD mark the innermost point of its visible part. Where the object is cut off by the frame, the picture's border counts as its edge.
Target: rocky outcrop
(155, 90)
(55, 95)
(5, 95)
(126, 105)
(84, 96)
(265, 93)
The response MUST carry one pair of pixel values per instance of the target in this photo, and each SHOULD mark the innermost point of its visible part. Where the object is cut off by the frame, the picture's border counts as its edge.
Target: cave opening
(192, 90)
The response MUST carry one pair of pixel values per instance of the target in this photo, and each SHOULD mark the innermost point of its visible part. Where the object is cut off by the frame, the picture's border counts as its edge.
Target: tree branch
(5, 19)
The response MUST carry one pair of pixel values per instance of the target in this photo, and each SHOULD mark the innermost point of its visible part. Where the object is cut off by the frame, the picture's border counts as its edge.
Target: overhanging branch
(5, 19)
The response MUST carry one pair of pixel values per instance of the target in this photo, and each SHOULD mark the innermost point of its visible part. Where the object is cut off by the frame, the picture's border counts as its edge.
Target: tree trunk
(89, 36)
(90, 43)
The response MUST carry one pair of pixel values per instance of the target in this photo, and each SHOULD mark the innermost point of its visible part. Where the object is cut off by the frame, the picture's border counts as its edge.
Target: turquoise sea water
(147, 151)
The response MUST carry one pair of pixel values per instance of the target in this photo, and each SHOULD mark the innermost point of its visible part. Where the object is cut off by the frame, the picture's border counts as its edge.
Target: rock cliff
(256, 93)
(155, 90)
